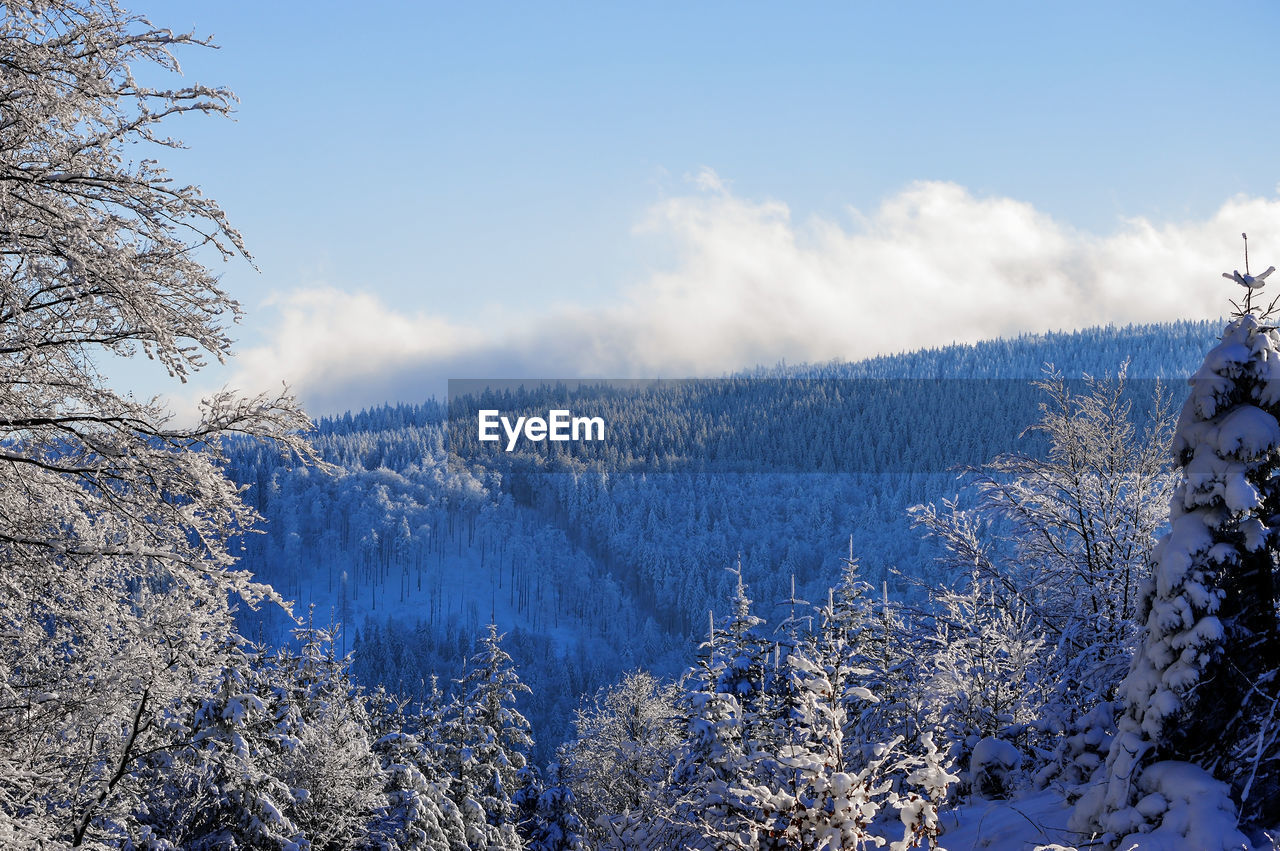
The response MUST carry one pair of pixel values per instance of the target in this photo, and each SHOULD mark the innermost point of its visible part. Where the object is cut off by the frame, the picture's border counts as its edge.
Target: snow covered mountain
(598, 571)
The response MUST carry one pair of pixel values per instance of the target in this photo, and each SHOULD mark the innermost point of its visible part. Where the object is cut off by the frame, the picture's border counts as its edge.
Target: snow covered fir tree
(1205, 680)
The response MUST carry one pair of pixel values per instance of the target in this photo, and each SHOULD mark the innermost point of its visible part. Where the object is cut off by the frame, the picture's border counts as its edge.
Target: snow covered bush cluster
(1062, 541)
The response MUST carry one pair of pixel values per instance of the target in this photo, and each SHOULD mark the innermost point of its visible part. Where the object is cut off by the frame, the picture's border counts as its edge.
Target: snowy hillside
(600, 572)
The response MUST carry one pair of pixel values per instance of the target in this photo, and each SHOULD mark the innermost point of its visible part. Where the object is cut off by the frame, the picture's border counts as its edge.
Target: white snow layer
(1193, 810)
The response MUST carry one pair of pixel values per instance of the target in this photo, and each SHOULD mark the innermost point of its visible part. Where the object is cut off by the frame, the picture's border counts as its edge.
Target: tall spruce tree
(487, 742)
(1203, 686)
(708, 772)
(418, 815)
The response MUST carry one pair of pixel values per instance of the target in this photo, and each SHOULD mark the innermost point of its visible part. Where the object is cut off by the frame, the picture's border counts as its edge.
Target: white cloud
(749, 285)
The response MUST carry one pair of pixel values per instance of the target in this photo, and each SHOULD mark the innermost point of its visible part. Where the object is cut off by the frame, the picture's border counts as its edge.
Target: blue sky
(483, 173)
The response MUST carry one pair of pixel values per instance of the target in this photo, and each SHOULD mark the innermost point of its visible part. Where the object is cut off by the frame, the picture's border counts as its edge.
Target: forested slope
(606, 562)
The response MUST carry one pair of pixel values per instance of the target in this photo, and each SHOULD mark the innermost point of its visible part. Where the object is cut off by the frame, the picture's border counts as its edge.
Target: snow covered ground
(1018, 825)
(1039, 821)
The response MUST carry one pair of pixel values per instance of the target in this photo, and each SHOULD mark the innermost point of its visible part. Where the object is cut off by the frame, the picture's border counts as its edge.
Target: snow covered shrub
(279, 755)
(226, 787)
(1202, 687)
(1189, 808)
(330, 764)
(1080, 751)
(772, 759)
(985, 671)
(993, 766)
(557, 826)
(929, 782)
(624, 738)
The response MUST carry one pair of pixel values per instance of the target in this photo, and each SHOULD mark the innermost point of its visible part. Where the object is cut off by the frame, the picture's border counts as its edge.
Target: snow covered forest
(960, 586)
(598, 572)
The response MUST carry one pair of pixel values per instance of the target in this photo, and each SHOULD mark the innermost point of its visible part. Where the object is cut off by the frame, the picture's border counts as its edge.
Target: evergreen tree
(842, 788)
(895, 663)
(847, 640)
(746, 672)
(1203, 687)
(557, 826)
(486, 744)
(710, 774)
(225, 789)
(419, 815)
(525, 799)
(833, 805)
